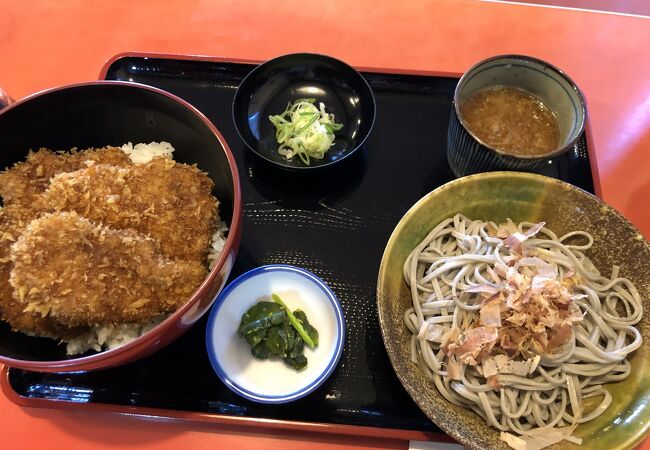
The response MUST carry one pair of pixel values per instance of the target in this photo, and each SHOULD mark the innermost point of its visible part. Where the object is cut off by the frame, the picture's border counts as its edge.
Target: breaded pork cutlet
(13, 219)
(22, 183)
(81, 273)
(31, 323)
(170, 201)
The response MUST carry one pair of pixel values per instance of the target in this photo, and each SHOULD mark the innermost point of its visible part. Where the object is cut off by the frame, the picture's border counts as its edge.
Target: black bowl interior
(271, 86)
(96, 115)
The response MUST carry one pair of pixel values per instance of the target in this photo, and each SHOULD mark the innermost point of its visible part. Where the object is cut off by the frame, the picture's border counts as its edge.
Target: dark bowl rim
(247, 80)
(554, 153)
(169, 322)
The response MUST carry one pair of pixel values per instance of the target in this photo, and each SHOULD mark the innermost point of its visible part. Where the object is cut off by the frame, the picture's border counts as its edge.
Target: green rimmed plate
(522, 197)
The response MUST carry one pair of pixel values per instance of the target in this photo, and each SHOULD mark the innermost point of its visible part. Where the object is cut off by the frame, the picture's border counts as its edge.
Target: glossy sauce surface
(511, 120)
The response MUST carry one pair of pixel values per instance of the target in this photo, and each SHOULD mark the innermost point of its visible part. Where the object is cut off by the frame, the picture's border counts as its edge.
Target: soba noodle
(460, 254)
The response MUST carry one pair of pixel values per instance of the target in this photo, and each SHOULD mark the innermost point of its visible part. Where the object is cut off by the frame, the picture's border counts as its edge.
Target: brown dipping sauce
(511, 120)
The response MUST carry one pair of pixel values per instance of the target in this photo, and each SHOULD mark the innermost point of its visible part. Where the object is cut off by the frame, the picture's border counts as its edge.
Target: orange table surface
(45, 43)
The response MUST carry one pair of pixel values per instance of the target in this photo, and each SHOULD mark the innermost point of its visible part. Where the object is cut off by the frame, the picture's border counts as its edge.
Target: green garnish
(304, 130)
(271, 329)
(297, 323)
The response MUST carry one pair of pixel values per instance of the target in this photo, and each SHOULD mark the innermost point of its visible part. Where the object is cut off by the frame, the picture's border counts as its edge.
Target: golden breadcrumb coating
(13, 219)
(169, 201)
(82, 273)
(89, 238)
(25, 180)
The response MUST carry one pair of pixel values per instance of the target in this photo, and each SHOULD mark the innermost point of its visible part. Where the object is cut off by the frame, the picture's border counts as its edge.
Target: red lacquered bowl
(103, 113)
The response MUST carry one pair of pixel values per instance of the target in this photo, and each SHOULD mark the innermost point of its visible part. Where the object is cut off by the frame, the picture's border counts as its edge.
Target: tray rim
(163, 414)
(181, 416)
(220, 59)
(368, 69)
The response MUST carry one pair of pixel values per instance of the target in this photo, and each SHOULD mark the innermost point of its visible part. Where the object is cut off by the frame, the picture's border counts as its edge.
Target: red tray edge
(188, 416)
(166, 415)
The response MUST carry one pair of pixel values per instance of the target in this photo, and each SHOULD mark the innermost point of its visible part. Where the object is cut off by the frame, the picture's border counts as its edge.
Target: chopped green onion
(305, 130)
(313, 119)
(295, 322)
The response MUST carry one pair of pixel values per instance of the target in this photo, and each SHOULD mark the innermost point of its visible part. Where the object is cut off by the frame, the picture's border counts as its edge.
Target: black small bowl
(268, 89)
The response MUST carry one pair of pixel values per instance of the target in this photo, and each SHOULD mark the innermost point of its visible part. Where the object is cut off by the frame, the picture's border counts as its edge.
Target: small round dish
(271, 86)
(270, 380)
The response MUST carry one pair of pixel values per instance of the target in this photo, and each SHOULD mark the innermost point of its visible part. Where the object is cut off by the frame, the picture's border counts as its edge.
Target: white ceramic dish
(271, 380)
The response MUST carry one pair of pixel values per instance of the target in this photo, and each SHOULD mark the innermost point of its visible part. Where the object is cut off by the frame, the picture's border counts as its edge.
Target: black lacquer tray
(334, 223)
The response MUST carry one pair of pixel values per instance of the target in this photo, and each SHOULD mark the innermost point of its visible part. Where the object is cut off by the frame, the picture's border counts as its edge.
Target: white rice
(143, 153)
(217, 244)
(107, 337)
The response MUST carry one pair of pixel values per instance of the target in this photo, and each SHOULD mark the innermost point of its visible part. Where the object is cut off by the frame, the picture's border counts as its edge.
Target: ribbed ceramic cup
(467, 154)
